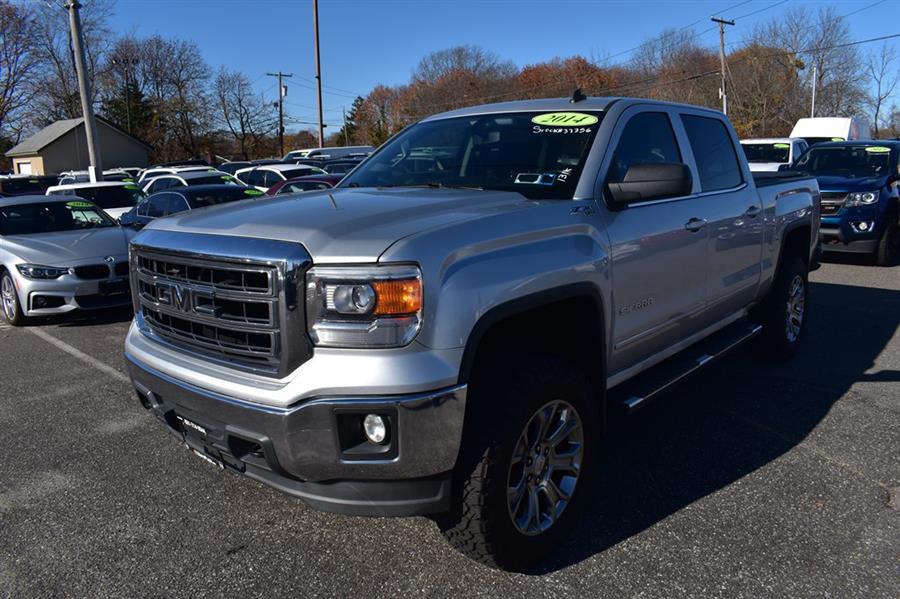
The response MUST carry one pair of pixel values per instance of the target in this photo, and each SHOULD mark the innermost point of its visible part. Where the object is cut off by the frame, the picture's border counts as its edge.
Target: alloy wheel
(8, 295)
(796, 304)
(545, 467)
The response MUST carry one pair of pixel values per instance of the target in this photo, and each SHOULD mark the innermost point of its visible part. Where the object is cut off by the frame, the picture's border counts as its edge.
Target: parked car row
(859, 181)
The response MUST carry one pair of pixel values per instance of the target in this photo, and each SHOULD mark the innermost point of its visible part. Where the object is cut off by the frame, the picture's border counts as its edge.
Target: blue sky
(366, 42)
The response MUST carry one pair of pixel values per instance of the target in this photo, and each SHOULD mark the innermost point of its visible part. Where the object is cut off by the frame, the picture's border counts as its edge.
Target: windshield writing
(539, 155)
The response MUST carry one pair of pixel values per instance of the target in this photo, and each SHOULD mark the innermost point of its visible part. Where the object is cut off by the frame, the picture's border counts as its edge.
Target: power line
(282, 91)
(561, 79)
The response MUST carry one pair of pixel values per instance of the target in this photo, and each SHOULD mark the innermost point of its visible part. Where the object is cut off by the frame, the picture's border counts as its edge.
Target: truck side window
(717, 162)
(648, 138)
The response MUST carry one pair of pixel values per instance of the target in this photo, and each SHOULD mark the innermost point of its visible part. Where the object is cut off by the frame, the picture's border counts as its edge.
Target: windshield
(847, 161)
(772, 152)
(818, 140)
(22, 186)
(51, 217)
(222, 196)
(125, 196)
(539, 155)
(301, 171)
(216, 179)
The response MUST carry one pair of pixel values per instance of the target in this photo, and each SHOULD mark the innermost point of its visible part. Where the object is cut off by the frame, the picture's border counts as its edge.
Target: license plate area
(207, 443)
(115, 287)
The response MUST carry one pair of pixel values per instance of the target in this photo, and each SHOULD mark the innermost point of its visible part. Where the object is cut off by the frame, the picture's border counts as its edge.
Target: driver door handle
(695, 224)
(753, 211)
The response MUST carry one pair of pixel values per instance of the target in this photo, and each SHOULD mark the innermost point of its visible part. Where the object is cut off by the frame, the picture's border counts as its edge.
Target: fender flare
(529, 302)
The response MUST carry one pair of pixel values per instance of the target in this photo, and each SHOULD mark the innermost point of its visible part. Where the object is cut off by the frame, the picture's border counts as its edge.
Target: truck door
(734, 211)
(658, 247)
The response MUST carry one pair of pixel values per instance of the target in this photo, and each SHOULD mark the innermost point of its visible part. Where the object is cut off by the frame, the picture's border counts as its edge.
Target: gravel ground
(750, 480)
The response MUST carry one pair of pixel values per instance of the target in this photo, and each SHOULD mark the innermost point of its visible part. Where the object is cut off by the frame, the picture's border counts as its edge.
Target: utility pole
(722, 92)
(95, 170)
(812, 110)
(318, 71)
(282, 92)
(346, 133)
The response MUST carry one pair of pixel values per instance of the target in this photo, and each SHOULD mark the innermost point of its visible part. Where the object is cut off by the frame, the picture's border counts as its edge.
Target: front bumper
(307, 450)
(40, 297)
(844, 239)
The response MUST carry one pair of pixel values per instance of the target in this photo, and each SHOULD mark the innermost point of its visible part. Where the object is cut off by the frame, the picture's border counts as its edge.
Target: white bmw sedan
(58, 254)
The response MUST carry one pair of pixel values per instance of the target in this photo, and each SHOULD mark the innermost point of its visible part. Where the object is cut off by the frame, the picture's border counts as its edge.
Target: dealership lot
(750, 480)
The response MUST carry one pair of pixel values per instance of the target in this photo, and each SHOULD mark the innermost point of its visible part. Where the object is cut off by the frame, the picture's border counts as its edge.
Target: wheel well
(796, 242)
(570, 328)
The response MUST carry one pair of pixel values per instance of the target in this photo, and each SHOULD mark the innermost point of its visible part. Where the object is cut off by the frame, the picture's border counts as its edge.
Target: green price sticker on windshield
(781, 146)
(252, 192)
(127, 180)
(565, 119)
(130, 186)
(79, 205)
(877, 149)
(33, 181)
(837, 139)
(227, 178)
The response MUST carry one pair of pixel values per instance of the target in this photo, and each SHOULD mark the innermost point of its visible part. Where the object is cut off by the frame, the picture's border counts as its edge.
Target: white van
(768, 154)
(819, 129)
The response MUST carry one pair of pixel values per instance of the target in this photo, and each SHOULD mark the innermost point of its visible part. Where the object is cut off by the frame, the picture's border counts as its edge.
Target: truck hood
(347, 224)
(850, 184)
(67, 247)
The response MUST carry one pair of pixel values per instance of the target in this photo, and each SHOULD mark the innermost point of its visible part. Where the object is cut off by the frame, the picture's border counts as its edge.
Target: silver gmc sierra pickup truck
(441, 334)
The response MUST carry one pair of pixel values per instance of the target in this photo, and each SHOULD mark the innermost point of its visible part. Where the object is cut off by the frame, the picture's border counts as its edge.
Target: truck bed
(766, 179)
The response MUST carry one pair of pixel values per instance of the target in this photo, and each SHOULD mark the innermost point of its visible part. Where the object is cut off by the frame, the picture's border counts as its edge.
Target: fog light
(375, 428)
(863, 226)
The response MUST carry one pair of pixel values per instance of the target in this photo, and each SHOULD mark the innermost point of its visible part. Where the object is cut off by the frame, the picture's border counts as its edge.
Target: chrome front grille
(231, 300)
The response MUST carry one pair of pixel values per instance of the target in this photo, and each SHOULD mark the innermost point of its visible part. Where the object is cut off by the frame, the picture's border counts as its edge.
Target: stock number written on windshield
(563, 130)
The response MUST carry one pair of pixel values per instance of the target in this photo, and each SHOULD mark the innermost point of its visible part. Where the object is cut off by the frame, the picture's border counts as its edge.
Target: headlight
(36, 271)
(377, 306)
(861, 198)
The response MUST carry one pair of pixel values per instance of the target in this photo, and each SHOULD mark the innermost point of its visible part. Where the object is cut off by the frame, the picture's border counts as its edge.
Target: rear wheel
(9, 301)
(783, 313)
(524, 469)
(889, 245)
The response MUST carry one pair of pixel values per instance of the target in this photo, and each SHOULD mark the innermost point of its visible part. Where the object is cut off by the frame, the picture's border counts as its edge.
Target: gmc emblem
(174, 295)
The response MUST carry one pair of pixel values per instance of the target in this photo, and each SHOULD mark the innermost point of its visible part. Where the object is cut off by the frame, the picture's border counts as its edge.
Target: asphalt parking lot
(751, 480)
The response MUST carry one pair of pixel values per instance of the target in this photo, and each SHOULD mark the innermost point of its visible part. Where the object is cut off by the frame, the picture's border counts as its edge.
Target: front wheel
(525, 465)
(9, 301)
(783, 313)
(889, 245)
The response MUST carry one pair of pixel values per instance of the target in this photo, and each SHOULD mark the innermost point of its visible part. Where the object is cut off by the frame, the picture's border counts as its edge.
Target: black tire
(10, 308)
(501, 404)
(779, 339)
(889, 245)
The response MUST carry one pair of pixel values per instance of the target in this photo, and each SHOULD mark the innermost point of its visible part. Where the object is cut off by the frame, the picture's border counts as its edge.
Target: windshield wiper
(438, 185)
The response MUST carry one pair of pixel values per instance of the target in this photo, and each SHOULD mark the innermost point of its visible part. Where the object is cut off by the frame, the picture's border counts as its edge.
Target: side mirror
(645, 182)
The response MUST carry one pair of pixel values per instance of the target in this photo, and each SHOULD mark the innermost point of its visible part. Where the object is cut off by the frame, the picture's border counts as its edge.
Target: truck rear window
(540, 155)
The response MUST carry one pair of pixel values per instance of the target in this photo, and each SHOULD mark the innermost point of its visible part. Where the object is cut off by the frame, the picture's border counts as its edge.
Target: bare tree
(18, 66)
(472, 59)
(244, 113)
(56, 91)
(885, 76)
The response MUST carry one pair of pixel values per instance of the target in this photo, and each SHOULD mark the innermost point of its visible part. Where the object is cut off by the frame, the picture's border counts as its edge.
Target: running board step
(636, 392)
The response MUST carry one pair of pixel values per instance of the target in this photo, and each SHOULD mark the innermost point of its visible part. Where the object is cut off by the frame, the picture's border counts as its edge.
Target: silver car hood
(66, 248)
(345, 225)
